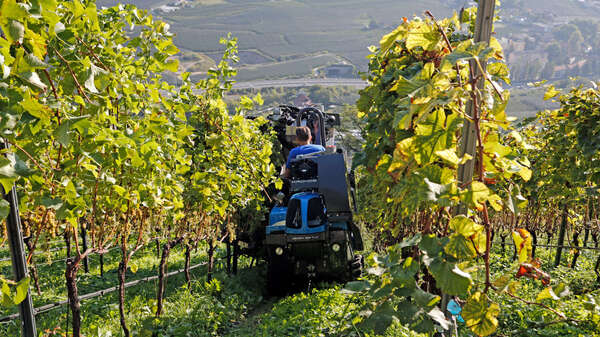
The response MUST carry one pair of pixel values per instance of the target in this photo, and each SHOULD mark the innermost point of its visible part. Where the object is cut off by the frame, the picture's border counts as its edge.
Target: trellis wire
(129, 284)
(549, 246)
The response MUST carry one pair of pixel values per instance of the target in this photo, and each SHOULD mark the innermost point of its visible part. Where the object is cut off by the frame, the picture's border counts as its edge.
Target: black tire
(356, 266)
(277, 277)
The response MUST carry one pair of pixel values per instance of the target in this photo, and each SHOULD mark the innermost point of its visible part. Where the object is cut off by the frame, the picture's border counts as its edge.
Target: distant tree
(516, 72)
(575, 43)
(554, 52)
(548, 70)
(589, 29)
(536, 69)
(530, 44)
(372, 24)
(588, 68)
(563, 32)
(350, 130)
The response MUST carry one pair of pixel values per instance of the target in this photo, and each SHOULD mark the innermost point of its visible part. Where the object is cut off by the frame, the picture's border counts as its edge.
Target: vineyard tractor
(309, 233)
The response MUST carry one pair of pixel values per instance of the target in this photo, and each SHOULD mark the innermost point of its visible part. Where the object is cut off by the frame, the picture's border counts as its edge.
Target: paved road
(303, 82)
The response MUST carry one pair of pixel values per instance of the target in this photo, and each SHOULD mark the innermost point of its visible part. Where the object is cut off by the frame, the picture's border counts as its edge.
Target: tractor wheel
(277, 278)
(356, 266)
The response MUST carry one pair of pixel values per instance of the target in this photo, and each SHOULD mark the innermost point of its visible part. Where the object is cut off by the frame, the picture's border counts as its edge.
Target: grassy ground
(518, 319)
(100, 314)
(237, 306)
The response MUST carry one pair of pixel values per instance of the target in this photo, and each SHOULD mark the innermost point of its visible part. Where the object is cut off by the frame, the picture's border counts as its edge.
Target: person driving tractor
(303, 139)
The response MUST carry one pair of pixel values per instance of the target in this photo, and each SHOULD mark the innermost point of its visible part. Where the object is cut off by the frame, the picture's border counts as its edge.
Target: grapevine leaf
(34, 62)
(21, 290)
(476, 194)
(16, 31)
(54, 204)
(551, 93)
(380, 320)
(64, 132)
(356, 287)
(408, 87)
(89, 83)
(425, 36)
(172, 65)
(4, 209)
(479, 240)
(424, 299)
(525, 173)
(388, 40)
(464, 226)
(481, 315)
(278, 184)
(449, 155)
(499, 70)
(460, 247)
(411, 242)
(7, 175)
(437, 315)
(11, 9)
(21, 168)
(34, 79)
(404, 274)
(523, 244)
(448, 276)
(501, 283)
(432, 245)
(457, 56)
(545, 294)
(7, 298)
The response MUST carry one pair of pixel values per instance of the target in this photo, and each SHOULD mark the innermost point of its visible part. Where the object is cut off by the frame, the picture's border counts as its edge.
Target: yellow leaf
(448, 155)
(551, 93)
(523, 244)
(546, 293)
(525, 173)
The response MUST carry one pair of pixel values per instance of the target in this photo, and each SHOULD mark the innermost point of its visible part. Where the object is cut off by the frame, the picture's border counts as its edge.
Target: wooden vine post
(483, 32)
(561, 235)
(19, 262)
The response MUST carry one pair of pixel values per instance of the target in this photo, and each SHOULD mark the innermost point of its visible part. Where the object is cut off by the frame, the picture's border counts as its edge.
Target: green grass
(518, 319)
(237, 306)
(102, 312)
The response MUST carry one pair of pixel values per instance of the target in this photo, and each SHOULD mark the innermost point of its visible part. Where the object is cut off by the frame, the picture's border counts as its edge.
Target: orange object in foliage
(531, 271)
(490, 181)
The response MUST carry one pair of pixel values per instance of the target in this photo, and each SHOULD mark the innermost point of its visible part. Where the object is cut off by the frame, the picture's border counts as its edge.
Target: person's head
(303, 135)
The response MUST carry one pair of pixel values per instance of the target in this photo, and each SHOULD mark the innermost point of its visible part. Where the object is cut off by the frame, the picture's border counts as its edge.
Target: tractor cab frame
(310, 231)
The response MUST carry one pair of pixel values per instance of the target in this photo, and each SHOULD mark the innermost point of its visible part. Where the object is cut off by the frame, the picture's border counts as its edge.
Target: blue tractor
(310, 232)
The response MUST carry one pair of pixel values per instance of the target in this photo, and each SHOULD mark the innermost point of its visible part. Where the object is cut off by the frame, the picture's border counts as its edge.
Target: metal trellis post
(17, 253)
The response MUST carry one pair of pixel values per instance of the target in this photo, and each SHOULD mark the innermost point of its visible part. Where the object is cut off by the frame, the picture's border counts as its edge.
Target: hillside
(551, 39)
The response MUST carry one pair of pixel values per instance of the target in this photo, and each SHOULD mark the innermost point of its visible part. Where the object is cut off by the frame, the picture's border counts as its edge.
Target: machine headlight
(279, 251)
(335, 247)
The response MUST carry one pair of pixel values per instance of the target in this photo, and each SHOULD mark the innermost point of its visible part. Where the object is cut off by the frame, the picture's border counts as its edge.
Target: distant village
(173, 6)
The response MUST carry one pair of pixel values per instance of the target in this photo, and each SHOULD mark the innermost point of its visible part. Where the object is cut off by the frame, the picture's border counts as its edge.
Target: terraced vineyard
(126, 198)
